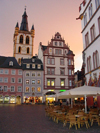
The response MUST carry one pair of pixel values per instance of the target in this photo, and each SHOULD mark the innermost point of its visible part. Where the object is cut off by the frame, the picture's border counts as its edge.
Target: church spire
(24, 23)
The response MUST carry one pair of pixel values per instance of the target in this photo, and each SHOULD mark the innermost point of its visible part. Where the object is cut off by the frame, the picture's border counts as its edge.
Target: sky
(48, 17)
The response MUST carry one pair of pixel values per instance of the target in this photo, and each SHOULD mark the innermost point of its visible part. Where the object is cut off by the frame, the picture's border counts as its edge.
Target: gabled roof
(4, 62)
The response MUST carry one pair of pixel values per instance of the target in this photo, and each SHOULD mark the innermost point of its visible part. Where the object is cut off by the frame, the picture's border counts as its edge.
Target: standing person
(60, 102)
(48, 102)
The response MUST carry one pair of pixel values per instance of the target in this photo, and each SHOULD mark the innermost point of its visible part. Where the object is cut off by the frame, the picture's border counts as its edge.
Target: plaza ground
(32, 119)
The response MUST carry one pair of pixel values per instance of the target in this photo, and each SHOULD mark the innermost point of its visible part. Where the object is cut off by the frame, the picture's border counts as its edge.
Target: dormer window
(10, 63)
(33, 65)
(27, 65)
(33, 60)
(39, 66)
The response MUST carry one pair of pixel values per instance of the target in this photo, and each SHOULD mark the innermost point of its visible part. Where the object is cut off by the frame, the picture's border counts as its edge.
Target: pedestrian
(60, 102)
(48, 102)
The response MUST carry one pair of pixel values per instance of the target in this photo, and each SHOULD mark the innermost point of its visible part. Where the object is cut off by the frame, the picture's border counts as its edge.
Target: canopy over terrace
(83, 91)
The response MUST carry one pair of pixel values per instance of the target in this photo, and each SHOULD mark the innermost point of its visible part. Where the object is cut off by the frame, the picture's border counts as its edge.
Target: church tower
(23, 40)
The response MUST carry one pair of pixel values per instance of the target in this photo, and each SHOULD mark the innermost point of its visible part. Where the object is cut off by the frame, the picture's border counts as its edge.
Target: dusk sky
(48, 17)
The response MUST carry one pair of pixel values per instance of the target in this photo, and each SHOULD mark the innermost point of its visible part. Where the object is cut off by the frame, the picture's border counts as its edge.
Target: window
(50, 82)
(62, 82)
(10, 63)
(27, 65)
(19, 72)
(28, 50)
(97, 3)
(62, 71)
(6, 71)
(21, 39)
(1, 71)
(90, 11)
(5, 88)
(19, 60)
(1, 79)
(38, 89)
(33, 89)
(33, 74)
(27, 74)
(58, 51)
(95, 59)
(33, 81)
(70, 72)
(51, 71)
(60, 44)
(13, 72)
(87, 39)
(61, 61)
(12, 80)
(27, 89)
(39, 74)
(69, 62)
(52, 61)
(12, 88)
(27, 40)
(33, 65)
(39, 66)
(92, 31)
(55, 43)
(70, 83)
(19, 49)
(99, 24)
(1, 88)
(19, 89)
(5, 80)
(89, 64)
(38, 82)
(48, 60)
(20, 80)
(85, 19)
(27, 81)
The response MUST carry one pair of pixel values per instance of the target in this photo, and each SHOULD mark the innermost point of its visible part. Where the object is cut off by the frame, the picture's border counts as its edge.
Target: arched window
(28, 50)
(96, 59)
(21, 39)
(19, 49)
(27, 40)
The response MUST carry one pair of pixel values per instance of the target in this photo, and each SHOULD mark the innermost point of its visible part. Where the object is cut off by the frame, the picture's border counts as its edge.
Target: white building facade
(90, 20)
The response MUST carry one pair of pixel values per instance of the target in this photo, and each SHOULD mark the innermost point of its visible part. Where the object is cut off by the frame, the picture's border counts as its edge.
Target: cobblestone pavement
(32, 119)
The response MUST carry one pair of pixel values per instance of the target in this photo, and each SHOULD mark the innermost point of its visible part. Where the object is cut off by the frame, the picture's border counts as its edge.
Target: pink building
(10, 80)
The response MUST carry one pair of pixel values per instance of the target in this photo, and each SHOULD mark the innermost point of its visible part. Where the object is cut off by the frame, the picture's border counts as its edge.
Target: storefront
(12, 99)
(38, 99)
(1, 99)
(18, 100)
(28, 99)
(6, 99)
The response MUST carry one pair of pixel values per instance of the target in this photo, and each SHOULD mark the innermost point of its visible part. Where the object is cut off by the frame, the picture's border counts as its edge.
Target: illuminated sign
(62, 90)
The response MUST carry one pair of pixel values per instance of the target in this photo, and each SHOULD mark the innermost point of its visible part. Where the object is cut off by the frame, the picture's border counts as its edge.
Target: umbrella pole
(85, 104)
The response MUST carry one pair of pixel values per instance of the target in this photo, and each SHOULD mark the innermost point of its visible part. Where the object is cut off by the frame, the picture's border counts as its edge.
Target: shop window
(6, 99)
(1, 71)
(27, 81)
(19, 89)
(27, 89)
(62, 82)
(27, 40)
(12, 99)
(38, 89)
(21, 39)
(12, 88)
(1, 99)
(33, 81)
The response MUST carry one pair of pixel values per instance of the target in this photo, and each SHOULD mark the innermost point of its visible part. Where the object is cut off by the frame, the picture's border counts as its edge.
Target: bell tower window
(21, 39)
(28, 50)
(19, 49)
(27, 40)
